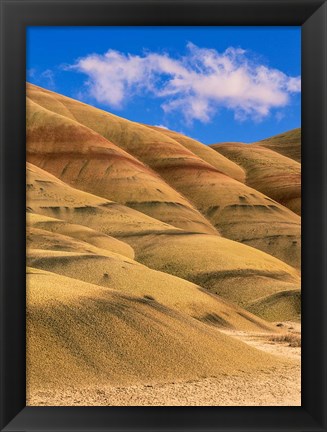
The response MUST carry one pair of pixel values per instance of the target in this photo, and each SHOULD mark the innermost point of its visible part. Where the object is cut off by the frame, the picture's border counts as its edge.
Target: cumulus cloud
(197, 84)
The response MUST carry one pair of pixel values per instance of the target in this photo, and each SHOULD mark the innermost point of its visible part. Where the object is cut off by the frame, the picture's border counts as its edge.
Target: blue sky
(212, 83)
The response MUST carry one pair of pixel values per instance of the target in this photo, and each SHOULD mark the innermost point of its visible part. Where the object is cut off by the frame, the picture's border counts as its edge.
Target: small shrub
(293, 339)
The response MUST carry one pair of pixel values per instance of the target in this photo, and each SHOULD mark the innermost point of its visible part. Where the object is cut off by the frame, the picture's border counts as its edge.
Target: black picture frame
(15, 16)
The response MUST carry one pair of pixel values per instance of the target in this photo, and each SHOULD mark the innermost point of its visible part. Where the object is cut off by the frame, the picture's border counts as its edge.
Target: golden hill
(154, 259)
(204, 152)
(84, 159)
(212, 262)
(280, 306)
(239, 212)
(79, 334)
(235, 210)
(236, 272)
(42, 239)
(90, 236)
(287, 144)
(271, 173)
(49, 196)
(113, 271)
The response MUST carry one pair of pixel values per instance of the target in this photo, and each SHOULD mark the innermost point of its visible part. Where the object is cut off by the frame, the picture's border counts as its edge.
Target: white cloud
(279, 116)
(161, 126)
(45, 78)
(196, 85)
(30, 73)
(48, 77)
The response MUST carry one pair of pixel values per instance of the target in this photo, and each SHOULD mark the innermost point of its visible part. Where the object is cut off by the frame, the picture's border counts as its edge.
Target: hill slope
(269, 172)
(79, 334)
(287, 144)
(84, 159)
(153, 259)
(157, 245)
(232, 208)
(204, 152)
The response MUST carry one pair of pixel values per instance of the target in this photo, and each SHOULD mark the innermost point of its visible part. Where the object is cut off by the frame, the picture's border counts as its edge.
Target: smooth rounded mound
(229, 269)
(79, 334)
(222, 204)
(114, 271)
(281, 306)
(271, 173)
(205, 152)
(49, 196)
(287, 144)
(45, 231)
(87, 161)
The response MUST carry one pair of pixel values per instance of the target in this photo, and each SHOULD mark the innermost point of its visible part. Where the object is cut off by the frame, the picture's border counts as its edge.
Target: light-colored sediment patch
(278, 387)
(277, 344)
(257, 390)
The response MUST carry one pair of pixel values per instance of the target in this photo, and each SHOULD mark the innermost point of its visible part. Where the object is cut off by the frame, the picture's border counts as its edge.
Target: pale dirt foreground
(280, 386)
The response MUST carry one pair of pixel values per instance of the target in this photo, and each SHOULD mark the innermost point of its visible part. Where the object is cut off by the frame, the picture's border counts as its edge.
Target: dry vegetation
(292, 339)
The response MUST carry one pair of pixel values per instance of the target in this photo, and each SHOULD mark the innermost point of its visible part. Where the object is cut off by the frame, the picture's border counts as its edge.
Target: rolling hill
(288, 144)
(79, 334)
(84, 159)
(204, 152)
(197, 195)
(210, 261)
(271, 173)
(148, 251)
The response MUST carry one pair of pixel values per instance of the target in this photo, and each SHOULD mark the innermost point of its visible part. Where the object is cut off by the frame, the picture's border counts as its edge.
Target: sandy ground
(263, 341)
(278, 387)
(262, 390)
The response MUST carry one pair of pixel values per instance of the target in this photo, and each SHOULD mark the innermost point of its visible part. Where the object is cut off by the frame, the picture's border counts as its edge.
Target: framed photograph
(163, 217)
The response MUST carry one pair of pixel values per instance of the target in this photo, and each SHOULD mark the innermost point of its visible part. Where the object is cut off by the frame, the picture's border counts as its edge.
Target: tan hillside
(51, 197)
(280, 306)
(239, 212)
(287, 144)
(147, 145)
(79, 232)
(85, 160)
(271, 173)
(114, 271)
(42, 239)
(48, 196)
(161, 271)
(235, 210)
(204, 152)
(79, 334)
(234, 271)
